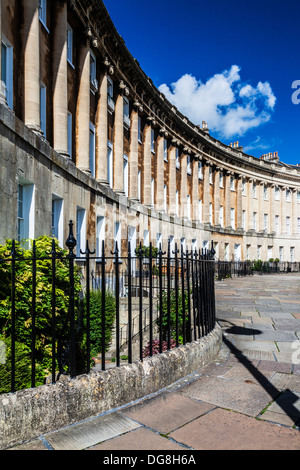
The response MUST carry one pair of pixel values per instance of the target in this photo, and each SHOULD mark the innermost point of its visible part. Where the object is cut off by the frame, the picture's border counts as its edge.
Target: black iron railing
(79, 307)
(228, 269)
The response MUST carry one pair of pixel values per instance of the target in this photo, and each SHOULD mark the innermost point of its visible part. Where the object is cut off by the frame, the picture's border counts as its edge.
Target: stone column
(60, 79)
(283, 209)
(119, 145)
(134, 155)
(172, 180)
(102, 133)
(183, 186)
(261, 205)
(294, 227)
(160, 172)
(83, 109)
(31, 53)
(147, 166)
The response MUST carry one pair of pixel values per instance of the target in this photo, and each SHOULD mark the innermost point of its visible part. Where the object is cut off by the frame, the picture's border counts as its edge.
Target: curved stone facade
(85, 135)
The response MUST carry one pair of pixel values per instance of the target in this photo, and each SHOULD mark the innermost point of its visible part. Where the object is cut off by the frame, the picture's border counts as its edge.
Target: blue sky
(230, 63)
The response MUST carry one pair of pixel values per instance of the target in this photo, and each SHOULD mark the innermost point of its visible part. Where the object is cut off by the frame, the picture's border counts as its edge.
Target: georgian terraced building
(85, 135)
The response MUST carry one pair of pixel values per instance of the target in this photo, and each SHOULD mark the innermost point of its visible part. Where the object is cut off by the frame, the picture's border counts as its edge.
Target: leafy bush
(173, 311)
(22, 367)
(155, 347)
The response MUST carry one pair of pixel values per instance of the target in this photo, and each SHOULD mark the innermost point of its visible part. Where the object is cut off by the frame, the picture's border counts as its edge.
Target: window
(100, 235)
(125, 174)
(221, 180)
(172, 245)
(265, 193)
(110, 164)
(7, 70)
(177, 203)
(117, 237)
(244, 220)
(200, 210)
(139, 185)
(210, 175)
(43, 11)
(243, 187)
(232, 183)
(140, 131)
(298, 196)
(93, 73)
(152, 141)
(254, 220)
(165, 197)
(288, 195)
(92, 150)
(258, 252)
(270, 252)
(43, 108)
(266, 222)
(277, 194)
(298, 224)
(188, 208)
(237, 252)
(126, 113)
(70, 133)
(277, 224)
(165, 150)
(152, 192)
(221, 216)
(281, 253)
(70, 44)
(158, 240)
(80, 231)
(210, 213)
(57, 219)
(232, 218)
(288, 225)
(146, 238)
(183, 244)
(292, 254)
(226, 252)
(248, 248)
(110, 95)
(177, 158)
(254, 189)
(200, 170)
(25, 210)
(188, 167)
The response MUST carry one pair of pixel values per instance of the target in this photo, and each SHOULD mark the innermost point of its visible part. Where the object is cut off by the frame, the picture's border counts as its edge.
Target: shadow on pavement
(287, 404)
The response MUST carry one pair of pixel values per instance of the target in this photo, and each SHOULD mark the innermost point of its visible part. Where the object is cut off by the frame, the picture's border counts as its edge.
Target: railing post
(71, 244)
(168, 297)
(33, 315)
(53, 321)
(103, 323)
(87, 253)
(129, 306)
(117, 294)
(141, 301)
(160, 254)
(150, 302)
(183, 296)
(176, 294)
(13, 316)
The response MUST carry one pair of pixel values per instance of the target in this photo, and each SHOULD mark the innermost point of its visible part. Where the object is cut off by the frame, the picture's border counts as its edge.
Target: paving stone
(166, 411)
(274, 366)
(282, 356)
(36, 444)
(287, 403)
(225, 430)
(256, 345)
(248, 398)
(142, 439)
(286, 381)
(275, 336)
(279, 418)
(91, 432)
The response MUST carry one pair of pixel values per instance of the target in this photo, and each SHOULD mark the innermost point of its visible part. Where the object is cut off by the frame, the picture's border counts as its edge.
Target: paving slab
(91, 432)
(225, 430)
(142, 439)
(244, 397)
(286, 381)
(287, 403)
(166, 411)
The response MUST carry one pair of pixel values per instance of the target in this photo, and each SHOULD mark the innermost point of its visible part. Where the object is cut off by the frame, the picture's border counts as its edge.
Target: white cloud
(229, 106)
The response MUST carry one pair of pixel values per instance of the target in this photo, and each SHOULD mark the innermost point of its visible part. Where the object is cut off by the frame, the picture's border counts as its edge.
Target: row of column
(31, 33)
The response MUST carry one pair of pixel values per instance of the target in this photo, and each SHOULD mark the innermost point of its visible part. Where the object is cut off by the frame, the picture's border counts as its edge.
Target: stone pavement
(249, 398)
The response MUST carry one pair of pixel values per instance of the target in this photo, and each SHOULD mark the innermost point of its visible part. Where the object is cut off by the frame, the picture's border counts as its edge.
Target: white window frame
(221, 180)
(117, 236)
(92, 150)
(158, 239)
(244, 220)
(188, 165)
(110, 175)
(152, 192)
(200, 210)
(152, 141)
(210, 213)
(8, 73)
(140, 135)
(139, 185)
(80, 231)
(70, 133)
(125, 175)
(100, 234)
(232, 183)
(232, 217)
(277, 224)
(221, 216)
(254, 220)
(93, 73)
(266, 216)
(277, 194)
(188, 204)
(110, 95)
(165, 197)
(177, 158)
(146, 238)
(126, 116)
(70, 35)
(177, 202)
(210, 172)
(254, 190)
(165, 150)
(57, 219)
(200, 170)
(288, 195)
(43, 108)
(288, 225)
(26, 218)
